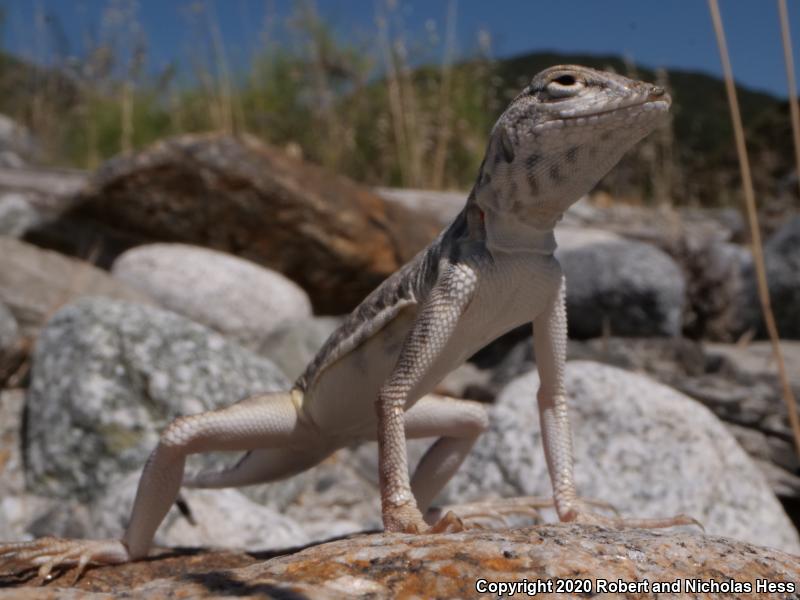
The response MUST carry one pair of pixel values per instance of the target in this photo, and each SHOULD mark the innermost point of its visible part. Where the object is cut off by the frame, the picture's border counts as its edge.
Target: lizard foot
(50, 553)
(583, 515)
(492, 514)
(408, 519)
(500, 513)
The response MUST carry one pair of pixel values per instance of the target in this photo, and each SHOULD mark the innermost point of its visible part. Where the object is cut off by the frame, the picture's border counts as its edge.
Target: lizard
(491, 270)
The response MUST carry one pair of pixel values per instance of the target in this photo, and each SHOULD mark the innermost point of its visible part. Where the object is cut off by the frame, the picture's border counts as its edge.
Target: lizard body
(491, 270)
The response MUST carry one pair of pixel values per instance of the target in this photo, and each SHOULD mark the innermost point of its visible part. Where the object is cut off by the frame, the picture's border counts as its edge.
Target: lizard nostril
(656, 92)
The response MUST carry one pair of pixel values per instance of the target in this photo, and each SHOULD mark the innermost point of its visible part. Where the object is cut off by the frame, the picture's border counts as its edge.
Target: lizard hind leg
(264, 421)
(458, 423)
(259, 466)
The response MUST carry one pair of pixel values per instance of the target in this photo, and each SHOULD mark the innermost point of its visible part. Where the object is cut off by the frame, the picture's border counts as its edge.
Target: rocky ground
(207, 268)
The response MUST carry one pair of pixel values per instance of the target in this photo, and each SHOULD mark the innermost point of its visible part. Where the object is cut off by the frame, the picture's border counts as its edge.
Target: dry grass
(752, 217)
(387, 107)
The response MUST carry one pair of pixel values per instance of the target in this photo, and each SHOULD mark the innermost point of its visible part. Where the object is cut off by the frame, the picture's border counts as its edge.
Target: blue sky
(672, 33)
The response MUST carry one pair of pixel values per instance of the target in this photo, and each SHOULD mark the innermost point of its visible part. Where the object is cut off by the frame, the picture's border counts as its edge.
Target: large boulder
(582, 561)
(334, 237)
(618, 286)
(236, 297)
(108, 376)
(35, 283)
(640, 445)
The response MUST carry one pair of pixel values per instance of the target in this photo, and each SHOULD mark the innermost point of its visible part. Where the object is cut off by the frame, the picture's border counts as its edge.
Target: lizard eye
(564, 86)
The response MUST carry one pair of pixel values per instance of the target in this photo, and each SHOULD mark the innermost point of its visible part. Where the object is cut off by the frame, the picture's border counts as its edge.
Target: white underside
(342, 400)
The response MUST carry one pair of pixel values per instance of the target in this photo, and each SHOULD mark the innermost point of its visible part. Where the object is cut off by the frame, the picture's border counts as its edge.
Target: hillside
(405, 129)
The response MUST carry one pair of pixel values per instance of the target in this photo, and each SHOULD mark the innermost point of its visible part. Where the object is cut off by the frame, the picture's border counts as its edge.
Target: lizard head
(559, 136)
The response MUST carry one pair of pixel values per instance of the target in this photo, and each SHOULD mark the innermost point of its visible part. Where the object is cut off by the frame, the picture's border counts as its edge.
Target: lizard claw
(50, 553)
(449, 523)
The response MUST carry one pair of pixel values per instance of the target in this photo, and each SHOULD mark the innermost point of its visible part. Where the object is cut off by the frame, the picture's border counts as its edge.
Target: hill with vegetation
(385, 123)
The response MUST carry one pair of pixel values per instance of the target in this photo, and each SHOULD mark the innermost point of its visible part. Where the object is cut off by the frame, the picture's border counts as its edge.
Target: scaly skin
(491, 270)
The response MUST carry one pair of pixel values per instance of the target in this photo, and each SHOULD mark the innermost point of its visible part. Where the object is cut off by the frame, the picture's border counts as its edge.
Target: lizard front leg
(550, 349)
(424, 343)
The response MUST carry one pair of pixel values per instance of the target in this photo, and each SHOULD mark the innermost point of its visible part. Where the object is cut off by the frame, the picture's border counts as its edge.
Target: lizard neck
(506, 232)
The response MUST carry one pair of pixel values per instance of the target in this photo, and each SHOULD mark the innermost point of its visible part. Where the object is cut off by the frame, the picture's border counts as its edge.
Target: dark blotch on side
(555, 174)
(506, 146)
(532, 161)
(572, 155)
(533, 184)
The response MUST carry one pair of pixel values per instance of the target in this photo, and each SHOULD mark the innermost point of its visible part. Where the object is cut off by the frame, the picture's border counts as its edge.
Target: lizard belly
(510, 293)
(342, 399)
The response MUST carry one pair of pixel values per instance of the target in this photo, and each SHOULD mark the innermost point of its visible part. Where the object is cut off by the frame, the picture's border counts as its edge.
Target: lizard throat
(505, 232)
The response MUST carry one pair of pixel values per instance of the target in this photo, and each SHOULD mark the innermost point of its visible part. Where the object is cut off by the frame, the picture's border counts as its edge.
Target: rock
(35, 283)
(236, 297)
(737, 383)
(17, 507)
(17, 214)
(782, 258)
(716, 288)
(643, 447)
(9, 331)
(12, 404)
(443, 206)
(452, 566)
(629, 288)
(17, 145)
(336, 238)
(468, 382)
(108, 376)
(293, 344)
(224, 519)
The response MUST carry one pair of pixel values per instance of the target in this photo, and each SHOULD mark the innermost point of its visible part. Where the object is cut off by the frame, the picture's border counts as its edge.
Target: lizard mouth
(649, 104)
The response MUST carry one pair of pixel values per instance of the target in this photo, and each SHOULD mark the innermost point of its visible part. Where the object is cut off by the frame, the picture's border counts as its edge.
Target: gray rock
(717, 287)
(108, 376)
(9, 331)
(16, 143)
(782, 258)
(17, 507)
(35, 283)
(224, 519)
(643, 447)
(12, 404)
(234, 296)
(293, 344)
(17, 215)
(736, 382)
(632, 288)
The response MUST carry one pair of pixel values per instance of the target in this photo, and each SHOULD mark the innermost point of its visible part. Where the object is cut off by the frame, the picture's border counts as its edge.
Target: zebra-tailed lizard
(491, 270)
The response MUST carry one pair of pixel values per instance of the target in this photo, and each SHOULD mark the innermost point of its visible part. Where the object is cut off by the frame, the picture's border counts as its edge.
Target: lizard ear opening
(506, 146)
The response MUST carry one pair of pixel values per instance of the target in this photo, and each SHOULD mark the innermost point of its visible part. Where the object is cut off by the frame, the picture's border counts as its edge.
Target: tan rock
(334, 237)
(35, 283)
(452, 566)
